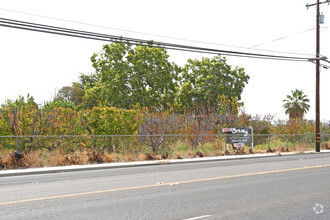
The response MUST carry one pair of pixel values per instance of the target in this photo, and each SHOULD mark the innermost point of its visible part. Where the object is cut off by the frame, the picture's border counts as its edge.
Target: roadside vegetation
(137, 105)
(177, 148)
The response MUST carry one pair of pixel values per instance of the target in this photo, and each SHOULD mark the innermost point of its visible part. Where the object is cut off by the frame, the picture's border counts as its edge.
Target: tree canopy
(207, 79)
(296, 104)
(128, 75)
(73, 94)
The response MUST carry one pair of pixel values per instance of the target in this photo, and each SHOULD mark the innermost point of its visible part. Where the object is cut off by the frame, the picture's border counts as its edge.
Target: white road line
(198, 217)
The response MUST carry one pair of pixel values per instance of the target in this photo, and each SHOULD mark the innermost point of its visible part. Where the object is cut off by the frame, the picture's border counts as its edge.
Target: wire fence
(160, 144)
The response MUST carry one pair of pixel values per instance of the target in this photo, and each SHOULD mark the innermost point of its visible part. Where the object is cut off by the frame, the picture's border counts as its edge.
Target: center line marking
(159, 185)
(198, 217)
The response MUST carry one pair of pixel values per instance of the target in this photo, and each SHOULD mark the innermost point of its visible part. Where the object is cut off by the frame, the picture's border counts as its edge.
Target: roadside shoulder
(72, 168)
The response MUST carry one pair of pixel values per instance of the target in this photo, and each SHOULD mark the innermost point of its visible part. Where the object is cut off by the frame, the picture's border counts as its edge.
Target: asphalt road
(291, 187)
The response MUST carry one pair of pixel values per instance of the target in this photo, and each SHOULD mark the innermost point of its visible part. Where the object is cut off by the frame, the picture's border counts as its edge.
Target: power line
(118, 39)
(284, 37)
(134, 41)
(150, 34)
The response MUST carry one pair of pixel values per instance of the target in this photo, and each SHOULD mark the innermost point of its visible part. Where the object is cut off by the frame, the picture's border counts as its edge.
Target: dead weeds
(43, 158)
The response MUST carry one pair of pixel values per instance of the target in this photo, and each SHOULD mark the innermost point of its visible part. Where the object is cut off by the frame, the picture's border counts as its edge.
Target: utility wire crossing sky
(133, 41)
(39, 63)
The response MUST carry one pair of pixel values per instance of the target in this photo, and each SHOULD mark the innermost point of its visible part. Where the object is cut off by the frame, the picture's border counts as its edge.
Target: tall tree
(205, 80)
(296, 104)
(73, 94)
(133, 75)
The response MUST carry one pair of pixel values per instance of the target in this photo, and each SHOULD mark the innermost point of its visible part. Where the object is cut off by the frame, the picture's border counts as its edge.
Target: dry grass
(239, 151)
(8, 161)
(141, 157)
(177, 155)
(34, 158)
(109, 158)
(128, 158)
(42, 158)
(56, 158)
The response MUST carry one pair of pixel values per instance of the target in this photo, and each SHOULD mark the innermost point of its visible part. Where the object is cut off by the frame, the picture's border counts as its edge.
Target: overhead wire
(115, 39)
(150, 34)
(281, 38)
(10, 23)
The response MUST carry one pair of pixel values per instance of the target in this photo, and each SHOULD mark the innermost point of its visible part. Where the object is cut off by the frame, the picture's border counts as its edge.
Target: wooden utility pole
(317, 61)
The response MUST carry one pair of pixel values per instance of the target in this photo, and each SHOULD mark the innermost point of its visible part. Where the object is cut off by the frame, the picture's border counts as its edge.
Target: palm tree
(296, 105)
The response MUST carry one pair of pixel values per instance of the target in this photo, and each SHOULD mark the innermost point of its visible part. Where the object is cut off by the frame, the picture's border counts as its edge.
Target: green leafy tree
(86, 81)
(205, 80)
(296, 104)
(294, 126)
(128, 75)
(5, 122)
(109, 121)
(20, 101)
(55, 104)
(22, 118)
(73, 94)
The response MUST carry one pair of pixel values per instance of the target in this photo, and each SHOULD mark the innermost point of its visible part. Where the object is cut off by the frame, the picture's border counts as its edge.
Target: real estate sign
(238, 135)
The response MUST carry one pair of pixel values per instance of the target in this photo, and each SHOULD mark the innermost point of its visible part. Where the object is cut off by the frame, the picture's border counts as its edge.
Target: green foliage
(59, 103)
(65, 121)
(260, 124)
(296, 105)
(228, 105)
(126, 76)
(60, 118)
(20, 117)
(19, 102)
(109, 121)
(293, 126)
(4, 127)
(53, 119)
(70, 94)
(86, 81)
(204, 80)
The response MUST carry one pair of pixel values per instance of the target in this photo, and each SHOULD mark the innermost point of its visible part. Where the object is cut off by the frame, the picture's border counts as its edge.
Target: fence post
(268, 141)
(17, 144)
(287, 137)
(252, 144)
(75, 143)
(164, 145)
(124, 146)
(218, 139)
(304, 145)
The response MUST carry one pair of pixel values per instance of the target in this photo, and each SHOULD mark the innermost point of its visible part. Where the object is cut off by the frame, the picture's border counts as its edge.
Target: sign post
(252, 146)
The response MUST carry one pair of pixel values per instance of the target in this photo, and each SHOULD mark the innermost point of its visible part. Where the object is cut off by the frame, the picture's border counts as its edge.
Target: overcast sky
(40, 64)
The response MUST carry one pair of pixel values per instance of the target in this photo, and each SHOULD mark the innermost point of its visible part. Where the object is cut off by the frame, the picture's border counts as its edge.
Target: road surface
(291, 187)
